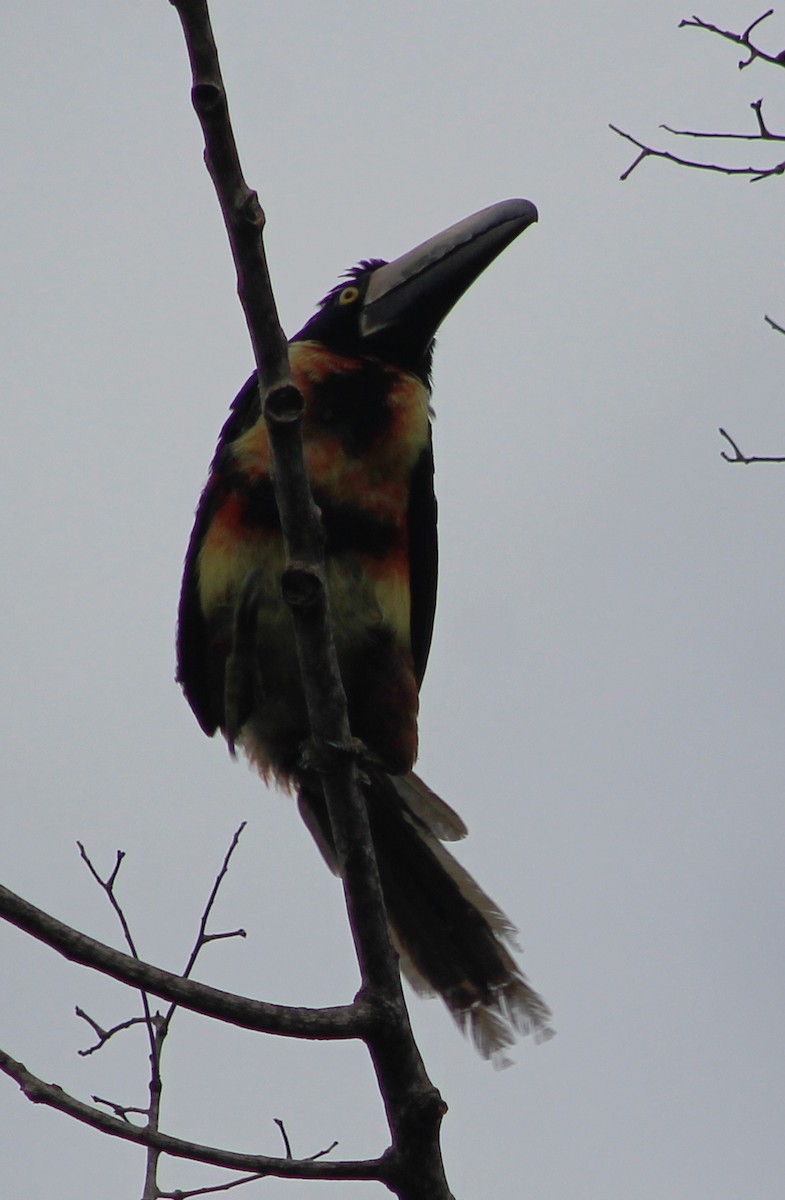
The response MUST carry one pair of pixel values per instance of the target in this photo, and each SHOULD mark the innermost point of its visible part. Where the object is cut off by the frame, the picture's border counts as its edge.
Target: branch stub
(302, 586)
(206, 97)
(284, 404)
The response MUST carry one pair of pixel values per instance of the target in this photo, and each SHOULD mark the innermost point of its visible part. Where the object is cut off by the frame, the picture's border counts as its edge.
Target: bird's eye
(348, 295)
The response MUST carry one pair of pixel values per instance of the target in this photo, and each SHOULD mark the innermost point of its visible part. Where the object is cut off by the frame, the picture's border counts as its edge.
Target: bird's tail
(452, 939)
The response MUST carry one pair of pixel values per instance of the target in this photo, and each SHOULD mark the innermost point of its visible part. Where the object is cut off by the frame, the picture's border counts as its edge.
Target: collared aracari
(363, 364)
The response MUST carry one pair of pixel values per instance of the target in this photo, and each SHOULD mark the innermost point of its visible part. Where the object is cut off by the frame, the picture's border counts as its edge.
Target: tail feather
(453, 940)
(422, 802)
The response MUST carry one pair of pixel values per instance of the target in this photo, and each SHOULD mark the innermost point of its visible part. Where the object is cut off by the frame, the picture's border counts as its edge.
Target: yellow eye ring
(349, 295)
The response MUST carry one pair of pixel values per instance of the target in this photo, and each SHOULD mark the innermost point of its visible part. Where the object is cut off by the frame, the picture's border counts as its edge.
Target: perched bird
(363, 364)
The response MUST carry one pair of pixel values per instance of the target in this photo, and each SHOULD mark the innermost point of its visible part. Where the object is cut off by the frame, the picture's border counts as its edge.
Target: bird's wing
(423, 559)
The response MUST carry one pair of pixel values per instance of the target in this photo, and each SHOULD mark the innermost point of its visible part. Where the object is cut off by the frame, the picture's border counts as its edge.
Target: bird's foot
(323, 756)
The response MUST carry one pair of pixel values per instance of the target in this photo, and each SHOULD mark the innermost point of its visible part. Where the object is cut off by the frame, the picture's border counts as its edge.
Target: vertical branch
(156, 1029)
(413, 1106)
(158, 1032)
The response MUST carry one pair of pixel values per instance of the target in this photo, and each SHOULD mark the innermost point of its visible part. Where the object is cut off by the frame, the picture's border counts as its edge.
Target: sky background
(604, 700)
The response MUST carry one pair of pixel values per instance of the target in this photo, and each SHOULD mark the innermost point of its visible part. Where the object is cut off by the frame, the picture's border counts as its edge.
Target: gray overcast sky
(604, 703)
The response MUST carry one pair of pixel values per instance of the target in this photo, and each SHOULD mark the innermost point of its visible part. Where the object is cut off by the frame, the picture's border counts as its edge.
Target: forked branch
(739, 457)
(740, 39)
(260, 1164)
(762, 132)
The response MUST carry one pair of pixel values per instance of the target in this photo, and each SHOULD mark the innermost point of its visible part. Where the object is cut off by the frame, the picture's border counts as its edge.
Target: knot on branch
(252, 211)
(415, 1158)
(206, 97)
(302, 586)
(422, 1112)
(284, 405)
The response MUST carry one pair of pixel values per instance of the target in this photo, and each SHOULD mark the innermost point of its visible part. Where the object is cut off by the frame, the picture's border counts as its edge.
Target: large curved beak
(414, 293)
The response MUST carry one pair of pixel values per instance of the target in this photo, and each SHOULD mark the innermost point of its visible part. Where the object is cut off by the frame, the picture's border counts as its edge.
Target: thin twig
(320, 1153)
(723, 137)
(739, 457)
(287, 1147)
(119, 1110)
(222, 937)
(203, 937)
(103, 1035)
(207, 1191)
(107, 886)
(764, 134)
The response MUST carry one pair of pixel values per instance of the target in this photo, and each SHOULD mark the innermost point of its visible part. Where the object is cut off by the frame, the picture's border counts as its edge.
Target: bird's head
(392, 310)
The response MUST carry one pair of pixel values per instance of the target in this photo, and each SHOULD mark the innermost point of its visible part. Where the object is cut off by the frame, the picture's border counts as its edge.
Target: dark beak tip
(521, 211)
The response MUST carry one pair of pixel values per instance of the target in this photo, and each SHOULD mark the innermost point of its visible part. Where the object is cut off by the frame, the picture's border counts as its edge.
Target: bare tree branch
(50, 1094)
(119, 1110)
(739, 457)
(208, 1191)
(753, 173)
(339, 1022)
(740, 39)
(763, 133)
(157, 1026)
(413, 1106)
(203, 936)
(107, 886)
(103, 1035)
(229, 1185)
